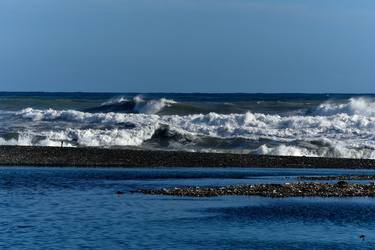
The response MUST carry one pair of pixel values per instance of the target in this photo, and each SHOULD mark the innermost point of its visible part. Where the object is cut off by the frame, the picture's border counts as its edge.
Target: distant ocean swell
(137, 104)
(330, 129)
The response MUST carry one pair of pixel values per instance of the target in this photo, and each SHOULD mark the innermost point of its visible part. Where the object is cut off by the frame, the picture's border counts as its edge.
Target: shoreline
(101, 157)
(299, 189)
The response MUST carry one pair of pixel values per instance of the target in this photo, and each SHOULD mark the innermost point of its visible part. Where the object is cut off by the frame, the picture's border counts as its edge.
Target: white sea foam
(151, 106)
(102, 137)
(28, 139)
(285, 150)
(340, 130)
(141, 105)
(115, 100)
(355, 106)
(336, 150)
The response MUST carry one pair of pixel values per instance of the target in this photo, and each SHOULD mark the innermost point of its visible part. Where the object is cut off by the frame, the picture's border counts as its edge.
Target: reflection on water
(52, 208)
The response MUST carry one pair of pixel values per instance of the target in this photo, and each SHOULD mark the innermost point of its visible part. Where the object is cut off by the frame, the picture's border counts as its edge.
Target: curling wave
(354, 106)
(135, 105)
(341, 132)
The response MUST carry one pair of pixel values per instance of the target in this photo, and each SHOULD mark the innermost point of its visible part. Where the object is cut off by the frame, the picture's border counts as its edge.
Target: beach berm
(104, 157)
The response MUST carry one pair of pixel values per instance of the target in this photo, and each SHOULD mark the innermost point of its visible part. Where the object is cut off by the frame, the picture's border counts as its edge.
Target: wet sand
(100, 157)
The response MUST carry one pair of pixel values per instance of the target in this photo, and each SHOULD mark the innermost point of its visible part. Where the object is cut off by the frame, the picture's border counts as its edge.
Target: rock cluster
(300, 189)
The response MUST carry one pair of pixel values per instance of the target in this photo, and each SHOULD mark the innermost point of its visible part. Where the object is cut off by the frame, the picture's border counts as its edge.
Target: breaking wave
(135, 105)
(335, 130)
(332, 149)
(355, 106)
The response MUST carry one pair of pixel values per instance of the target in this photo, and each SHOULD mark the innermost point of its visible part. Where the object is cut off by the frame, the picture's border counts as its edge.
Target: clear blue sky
(188, 45)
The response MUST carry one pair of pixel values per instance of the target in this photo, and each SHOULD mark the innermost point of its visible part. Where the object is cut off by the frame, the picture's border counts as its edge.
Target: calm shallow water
(67, 208)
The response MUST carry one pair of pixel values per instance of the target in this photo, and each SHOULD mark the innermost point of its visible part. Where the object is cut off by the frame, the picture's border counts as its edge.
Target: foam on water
(151, 106)
(355, 106)
(136, 105)
(331, 130)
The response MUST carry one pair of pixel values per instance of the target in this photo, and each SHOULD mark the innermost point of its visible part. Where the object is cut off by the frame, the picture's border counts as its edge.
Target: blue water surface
(79, 208)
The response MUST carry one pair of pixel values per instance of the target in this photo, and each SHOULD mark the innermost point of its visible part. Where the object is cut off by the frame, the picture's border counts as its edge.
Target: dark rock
(342, 184)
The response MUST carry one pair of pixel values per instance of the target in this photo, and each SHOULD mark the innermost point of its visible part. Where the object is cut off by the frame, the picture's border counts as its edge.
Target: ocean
(79, 208)
(327, 125)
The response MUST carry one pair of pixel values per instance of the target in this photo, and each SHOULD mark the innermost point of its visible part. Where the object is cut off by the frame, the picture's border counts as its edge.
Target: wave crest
(337, 135)
(355, 106)
(136, 104)
(332, 150)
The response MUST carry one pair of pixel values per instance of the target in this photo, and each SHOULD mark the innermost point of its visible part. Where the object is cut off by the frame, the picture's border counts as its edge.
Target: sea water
(328, 125)
(79, 208)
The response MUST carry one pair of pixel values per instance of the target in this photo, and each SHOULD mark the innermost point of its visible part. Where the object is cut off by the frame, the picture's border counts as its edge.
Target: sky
(250, 46)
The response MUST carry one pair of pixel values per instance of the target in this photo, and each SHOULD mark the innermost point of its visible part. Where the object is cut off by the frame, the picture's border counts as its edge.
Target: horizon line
(193, 92)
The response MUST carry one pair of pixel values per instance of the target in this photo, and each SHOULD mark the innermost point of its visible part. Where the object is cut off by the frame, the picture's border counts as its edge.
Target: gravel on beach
(338, 178)
(104, 157)
(300, 189)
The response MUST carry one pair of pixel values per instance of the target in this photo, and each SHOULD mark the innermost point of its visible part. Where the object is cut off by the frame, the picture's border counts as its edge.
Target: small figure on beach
(62, 143)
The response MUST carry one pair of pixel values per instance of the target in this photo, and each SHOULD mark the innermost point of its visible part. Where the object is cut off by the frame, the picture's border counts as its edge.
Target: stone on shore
(300, 189)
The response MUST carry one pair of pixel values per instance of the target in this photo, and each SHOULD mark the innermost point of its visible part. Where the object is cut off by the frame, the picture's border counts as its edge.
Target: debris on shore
(300, 189)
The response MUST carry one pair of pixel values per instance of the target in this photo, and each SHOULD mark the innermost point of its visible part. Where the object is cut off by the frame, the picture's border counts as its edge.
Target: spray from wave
(344, 129)
(332, 149)
(355, 106)
(137, 104)
(336, 135)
